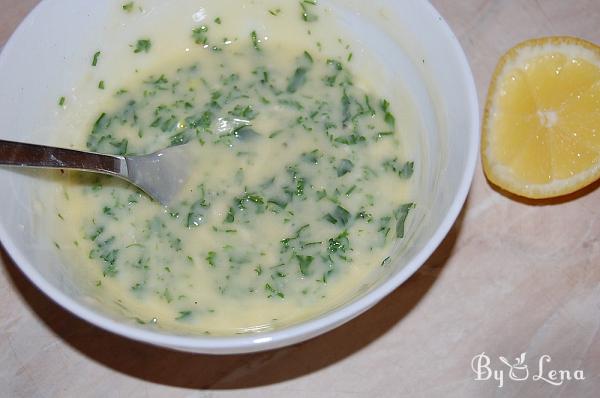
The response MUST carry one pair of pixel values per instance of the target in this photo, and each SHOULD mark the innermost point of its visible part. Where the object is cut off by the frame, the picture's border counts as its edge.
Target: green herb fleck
(383, 134)
(307, 15)
(128, 7)
(308, 57)
(403, 171)
(101, 85)
(246, 112)
(197, 214)
(285, 243)
(61, 101)
(312, 156)
(255, 41)
(384, 226)
(336, 64)
(370, 109)
(388, 117)
(183, 315)
(199, 35)
(243, 201)
(175, 243)
(344, 167)
(211, 258)
(339, 215)
(365, 216)
(110, 270)
(305, 263)
(95, 234)
(339, 245)
(142, 45)
(272, 292)
(400, 214)
(350, 190)
(95, 59)
(230, 216)
(297, 80)
(166, 294)
(352, 139)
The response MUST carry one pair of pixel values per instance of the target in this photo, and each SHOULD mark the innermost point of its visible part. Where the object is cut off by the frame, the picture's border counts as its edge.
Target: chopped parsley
(400, 214)
(403, 171)
(273, 292)
(183, 315)
(339, 216)
(142, 45)
(255, 40)
(297, 80)
(388, 117)
(200, 35)
(344, 167)
(95, 58)
(304, 263)
(211, 258)
(128, 7)
(307, 15)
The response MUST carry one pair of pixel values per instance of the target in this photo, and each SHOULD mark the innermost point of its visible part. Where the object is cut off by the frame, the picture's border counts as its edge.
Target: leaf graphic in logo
(518, 371)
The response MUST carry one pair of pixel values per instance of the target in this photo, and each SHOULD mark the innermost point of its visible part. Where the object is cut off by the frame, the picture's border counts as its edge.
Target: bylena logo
(519, 371)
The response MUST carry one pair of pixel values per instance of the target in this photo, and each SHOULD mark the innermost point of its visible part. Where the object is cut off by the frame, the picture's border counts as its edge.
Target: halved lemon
(541, 127)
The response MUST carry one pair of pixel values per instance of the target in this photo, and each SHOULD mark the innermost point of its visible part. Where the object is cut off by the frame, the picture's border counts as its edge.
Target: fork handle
(20, 154)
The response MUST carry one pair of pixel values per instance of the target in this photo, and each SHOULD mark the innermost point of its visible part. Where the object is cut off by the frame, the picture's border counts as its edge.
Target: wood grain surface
(511, 277)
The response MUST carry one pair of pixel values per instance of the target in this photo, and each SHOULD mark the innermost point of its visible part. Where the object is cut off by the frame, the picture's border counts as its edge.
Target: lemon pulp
(541, 134)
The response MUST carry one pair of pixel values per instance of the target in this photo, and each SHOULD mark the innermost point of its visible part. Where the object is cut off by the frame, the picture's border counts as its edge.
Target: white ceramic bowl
(49, 55)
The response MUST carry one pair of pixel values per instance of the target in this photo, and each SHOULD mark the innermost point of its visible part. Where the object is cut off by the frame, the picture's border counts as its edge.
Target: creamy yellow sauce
(300, 186)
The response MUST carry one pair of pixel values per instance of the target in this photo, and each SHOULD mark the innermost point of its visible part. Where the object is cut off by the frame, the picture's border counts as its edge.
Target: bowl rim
(304, 330)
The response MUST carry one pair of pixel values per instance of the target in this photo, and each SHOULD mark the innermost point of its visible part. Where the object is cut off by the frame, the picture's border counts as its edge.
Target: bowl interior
(411, 46)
